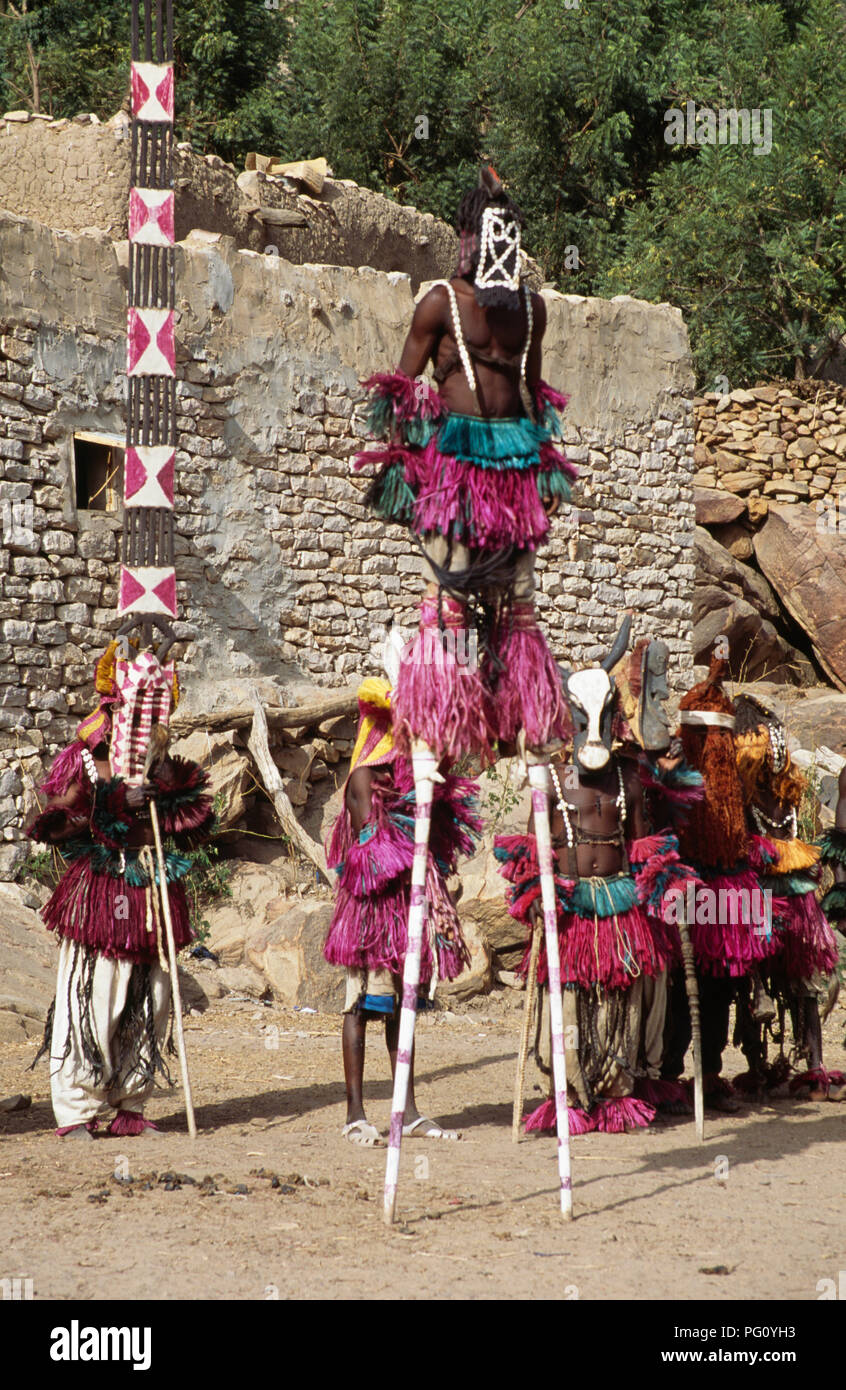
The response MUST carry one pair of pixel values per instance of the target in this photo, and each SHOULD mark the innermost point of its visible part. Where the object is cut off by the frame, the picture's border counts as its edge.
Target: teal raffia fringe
(832, 845)
(106, 860)
(604, 897)
(834, 903)
(483, 483)
(492, 443)
(788, 885)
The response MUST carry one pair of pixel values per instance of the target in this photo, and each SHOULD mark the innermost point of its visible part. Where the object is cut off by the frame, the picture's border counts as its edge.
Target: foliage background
(566, 97)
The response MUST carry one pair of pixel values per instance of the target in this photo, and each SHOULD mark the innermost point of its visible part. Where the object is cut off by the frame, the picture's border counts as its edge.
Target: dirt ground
(478, 1219)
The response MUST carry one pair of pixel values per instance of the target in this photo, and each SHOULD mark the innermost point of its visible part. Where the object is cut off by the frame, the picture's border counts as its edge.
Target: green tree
(750, 245)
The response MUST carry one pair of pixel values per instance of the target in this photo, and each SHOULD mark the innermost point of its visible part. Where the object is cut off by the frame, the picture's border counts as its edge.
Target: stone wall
(282, 574)
(74, 176)
(781, 441)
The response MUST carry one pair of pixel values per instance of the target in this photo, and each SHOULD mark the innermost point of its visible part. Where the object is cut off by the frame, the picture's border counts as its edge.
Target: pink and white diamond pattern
(150, 345)
(147, 589)
(145, 688)
(151, 214)
(148, 475)
(152, 91)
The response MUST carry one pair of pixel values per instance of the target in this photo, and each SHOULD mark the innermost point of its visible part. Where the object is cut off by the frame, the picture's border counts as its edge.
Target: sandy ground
(478, 1219)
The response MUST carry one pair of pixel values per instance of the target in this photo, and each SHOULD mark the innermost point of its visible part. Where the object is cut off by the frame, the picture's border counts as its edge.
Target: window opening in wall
(98, 469)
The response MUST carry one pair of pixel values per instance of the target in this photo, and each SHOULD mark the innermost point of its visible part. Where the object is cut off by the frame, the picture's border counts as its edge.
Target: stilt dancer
(474, 471)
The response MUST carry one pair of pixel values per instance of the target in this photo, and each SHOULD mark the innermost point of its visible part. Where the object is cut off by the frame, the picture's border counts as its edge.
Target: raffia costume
(106, 1029)
(472, 490)
(729, 930)
(804, 952)
(368, 934)
(614, 942)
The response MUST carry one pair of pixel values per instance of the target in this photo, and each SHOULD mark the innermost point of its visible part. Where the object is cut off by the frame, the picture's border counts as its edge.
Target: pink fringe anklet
(529, 694)
(127, 1123)
(439, 695)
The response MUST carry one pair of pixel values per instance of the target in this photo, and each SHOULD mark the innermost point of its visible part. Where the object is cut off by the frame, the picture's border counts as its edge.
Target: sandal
(432, 1131)
(363, 1133)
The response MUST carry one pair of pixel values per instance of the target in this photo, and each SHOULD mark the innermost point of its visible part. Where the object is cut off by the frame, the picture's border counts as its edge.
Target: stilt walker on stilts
(473, 469)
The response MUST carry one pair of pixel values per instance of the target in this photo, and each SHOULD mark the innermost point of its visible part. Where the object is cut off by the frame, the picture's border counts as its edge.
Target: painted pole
(424, 764)
(539, 783)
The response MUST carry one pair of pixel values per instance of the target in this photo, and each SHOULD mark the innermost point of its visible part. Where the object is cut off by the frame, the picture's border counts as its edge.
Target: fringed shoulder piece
(67, 768)
(832, 846)
(402, 406)
(58, 823)
(671, 793)
(382, 850)
(550, 404)
(794, 856)
(181, 795)
(456, 825)
(659, 872)
(517, 856)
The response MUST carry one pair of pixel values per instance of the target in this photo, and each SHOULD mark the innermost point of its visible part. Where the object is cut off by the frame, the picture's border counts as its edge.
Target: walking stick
(692, 986)
(538, 781)
(174, 975)
(425, 768)
(528, 1013)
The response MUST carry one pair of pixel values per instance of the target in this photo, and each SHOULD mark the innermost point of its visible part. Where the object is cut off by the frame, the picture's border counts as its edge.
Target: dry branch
(272, 779)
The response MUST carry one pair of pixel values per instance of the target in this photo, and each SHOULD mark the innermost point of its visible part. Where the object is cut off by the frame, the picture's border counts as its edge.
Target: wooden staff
(174, 974)
(538, 781)
(692, 986)
(528, 1014)
(425, 774)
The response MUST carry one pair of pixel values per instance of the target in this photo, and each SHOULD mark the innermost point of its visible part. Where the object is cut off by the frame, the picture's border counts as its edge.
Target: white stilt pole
(425, 775)
(539, 783)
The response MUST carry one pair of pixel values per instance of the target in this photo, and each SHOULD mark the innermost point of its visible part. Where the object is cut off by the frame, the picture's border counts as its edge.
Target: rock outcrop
(806, 565)
(732, 601)
(27, 964)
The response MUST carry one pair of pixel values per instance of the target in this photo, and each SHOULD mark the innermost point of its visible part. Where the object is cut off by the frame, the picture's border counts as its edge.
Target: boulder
(482, 903)
(477, 978)
(194, 997)
(715, 507)
(732, 600)
(807, 568)
(242, 979)
(819, 722)
(735, 538)
(288, 952)
(228, 933)
(229, 769)
(253, 889)
(716, 567)
(742, 481)
(756, 649)
(27, 965)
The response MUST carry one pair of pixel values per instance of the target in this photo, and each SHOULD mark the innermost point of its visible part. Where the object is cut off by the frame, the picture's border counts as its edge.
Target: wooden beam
(333, 706)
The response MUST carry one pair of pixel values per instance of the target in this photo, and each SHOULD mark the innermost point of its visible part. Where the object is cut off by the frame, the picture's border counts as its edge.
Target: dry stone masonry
(785, 442)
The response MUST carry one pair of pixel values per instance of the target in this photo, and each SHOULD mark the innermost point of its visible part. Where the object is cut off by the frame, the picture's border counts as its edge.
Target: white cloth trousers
(76, 1099)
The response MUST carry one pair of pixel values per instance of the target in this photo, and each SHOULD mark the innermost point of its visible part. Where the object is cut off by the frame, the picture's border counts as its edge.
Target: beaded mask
(497, 278)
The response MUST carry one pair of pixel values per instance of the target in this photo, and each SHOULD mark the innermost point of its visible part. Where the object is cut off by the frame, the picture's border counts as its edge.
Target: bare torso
(499, 333)
(595, 810)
